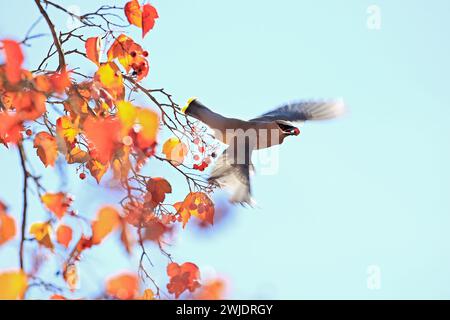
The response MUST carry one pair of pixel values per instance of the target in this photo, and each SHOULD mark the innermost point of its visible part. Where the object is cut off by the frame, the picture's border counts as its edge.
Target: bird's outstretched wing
(232, 172)
(297, 111)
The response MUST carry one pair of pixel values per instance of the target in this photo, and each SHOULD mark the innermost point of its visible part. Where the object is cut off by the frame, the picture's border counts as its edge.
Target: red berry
(145, 54)
(201, 149)
(196, 157)
(296, 131)
(133, 54)
(192, 206)
(28, 132)
(196, 141)
(82, 176)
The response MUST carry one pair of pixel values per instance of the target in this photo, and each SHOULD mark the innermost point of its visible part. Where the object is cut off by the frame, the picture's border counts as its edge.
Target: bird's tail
(324, 110)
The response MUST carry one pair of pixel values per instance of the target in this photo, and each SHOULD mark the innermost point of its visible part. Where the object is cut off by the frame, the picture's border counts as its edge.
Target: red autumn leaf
(29, 105)
(58, 203)
(64, 235)
(92, 46)
(123, 287)
(107, 220)
(182, 277)
(60, 81)
(149, 15)
(47, 148)
(14, 59)
(10, 129)
(158, 188)
(103, 133)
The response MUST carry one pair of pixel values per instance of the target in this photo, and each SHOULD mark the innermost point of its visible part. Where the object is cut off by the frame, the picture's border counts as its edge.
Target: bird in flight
(233, 167)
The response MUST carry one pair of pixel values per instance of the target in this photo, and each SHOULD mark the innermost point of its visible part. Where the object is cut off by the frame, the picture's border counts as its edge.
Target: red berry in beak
(296, 131)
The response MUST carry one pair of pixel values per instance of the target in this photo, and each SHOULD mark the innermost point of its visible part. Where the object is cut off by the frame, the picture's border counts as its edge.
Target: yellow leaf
(127, 115)
(149, 122)
(41, 232)
(13, 285)
(175, 150)
(67, 129)
(148, 295)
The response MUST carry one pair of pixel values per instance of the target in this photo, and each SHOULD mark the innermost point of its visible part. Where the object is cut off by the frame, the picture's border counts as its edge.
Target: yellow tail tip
(188, 104)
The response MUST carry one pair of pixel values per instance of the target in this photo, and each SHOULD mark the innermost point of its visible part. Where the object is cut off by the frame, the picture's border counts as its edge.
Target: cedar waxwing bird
(233, 167)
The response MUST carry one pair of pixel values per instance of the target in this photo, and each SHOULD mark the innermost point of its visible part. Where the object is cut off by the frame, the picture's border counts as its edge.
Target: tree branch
(25, 203)
(62, 61)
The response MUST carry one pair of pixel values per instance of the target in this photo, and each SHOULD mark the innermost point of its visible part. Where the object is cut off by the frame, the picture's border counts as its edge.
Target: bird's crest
(188, 104)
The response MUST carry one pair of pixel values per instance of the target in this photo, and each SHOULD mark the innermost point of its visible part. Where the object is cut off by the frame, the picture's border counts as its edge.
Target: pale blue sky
(369, 189)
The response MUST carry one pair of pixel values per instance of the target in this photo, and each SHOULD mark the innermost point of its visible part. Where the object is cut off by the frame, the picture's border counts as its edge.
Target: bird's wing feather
(232, 173)
(298, 111)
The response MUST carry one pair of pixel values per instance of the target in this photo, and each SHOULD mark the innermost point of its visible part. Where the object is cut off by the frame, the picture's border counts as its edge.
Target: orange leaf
(126, 50)
(97, 169)
(107, 220)
(123, 287)
(103, 133)
(47, 148)
(196, 204)
(133, 13)
(76, 155)
(58, 203)
(92, 46)
(13, 285)
(149, 15)
(41, 232)
(14, 60)
(175, 150)
(182, 277)
(64, 235)
(142, 17)
(7, 225)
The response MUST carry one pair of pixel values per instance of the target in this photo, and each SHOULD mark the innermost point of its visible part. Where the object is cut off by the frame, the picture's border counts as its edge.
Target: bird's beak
(295, 131)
